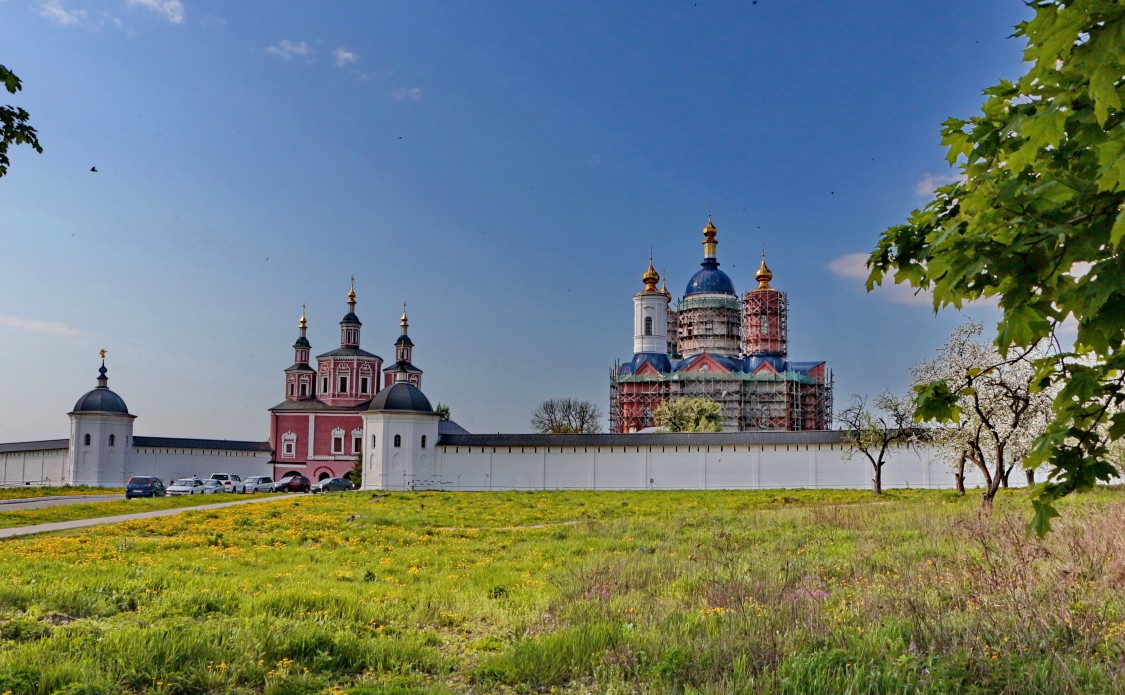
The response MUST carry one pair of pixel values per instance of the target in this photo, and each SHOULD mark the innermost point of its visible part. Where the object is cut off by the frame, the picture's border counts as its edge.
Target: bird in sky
(94, 169)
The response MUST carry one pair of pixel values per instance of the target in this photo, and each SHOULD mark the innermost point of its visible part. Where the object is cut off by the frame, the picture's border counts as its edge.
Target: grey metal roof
(310, 404)
(647, 439)
(348, 352)
(41, 445)
(403, 367)
(401, 397)
(300, 368)
(450, 427)
(101, 400)
(186, 443)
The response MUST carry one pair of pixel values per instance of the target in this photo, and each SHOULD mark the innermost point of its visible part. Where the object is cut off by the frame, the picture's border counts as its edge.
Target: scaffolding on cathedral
(761, 401)
(759, 309)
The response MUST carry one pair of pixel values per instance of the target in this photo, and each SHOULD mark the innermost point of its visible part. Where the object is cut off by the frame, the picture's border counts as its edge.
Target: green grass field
(577, 592)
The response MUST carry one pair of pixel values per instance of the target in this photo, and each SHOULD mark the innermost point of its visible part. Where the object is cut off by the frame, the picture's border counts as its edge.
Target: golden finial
(351, 292)
(709, 241)
(664, 287)
(764, 275)
(710, 230)
(404, 323)
(303, 323)
(650, 278)
(103, 352)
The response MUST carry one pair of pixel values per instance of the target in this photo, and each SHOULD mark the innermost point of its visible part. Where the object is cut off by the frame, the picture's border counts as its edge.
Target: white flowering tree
(999, 410)
(873, 432)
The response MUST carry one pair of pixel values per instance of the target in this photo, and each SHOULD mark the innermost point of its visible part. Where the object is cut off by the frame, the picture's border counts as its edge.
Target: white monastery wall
(683, 468)
(171, 463)
(45, 467)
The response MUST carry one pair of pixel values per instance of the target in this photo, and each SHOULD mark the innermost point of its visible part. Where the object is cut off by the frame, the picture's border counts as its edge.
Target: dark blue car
(144, 486)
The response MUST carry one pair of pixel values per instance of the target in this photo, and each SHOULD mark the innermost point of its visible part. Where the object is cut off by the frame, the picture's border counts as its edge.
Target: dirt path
(18, 503)
(81, 523)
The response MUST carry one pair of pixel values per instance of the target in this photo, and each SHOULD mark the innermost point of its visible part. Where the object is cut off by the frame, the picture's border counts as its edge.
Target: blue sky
(503, 168)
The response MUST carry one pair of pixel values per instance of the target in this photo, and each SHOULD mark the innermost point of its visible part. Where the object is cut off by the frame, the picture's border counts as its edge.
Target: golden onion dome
(764, 275)
(650, 278)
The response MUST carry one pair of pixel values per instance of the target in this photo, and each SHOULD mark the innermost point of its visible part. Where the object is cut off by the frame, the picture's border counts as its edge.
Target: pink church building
(317, 431)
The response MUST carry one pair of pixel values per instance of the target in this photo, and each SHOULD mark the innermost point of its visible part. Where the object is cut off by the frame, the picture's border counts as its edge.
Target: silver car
(186, 486)
(259, 483)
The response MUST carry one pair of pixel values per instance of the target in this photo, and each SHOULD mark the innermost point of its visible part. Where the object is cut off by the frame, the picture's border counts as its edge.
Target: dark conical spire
(103, 380)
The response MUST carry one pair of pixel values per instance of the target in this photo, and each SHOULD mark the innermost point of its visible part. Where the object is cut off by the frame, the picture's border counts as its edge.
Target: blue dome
(710, 280)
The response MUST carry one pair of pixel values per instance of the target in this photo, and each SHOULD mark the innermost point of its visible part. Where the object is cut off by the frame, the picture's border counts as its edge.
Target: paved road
(13, 505)
(80, 523)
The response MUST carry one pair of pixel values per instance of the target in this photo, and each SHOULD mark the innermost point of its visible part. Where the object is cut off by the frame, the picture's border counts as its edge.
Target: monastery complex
(351, 406)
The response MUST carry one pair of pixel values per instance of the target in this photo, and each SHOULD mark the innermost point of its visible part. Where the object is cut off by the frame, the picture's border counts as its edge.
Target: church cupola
(299, 379)
(404, 346)
(709, 310)
(302, 347)
(403, 370)
(350, 324)
(766, 316)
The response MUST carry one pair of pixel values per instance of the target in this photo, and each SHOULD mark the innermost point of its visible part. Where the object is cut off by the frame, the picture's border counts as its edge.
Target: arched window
(87, 440)
(423, 441)
(398, 440)
(112, 439)
(290, 389)
(648, 325)
(764, 327)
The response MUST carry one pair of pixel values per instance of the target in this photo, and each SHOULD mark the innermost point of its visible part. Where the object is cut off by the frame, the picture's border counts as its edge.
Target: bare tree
(566, 416)
(874, 433)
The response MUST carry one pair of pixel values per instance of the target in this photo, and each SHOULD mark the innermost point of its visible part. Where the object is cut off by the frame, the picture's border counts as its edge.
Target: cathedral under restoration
(722, 347)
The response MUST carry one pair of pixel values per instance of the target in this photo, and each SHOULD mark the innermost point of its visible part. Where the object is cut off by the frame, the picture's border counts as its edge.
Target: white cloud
(54, 11)
(287, 50)
(38, 326)
(853, 266)
(408, 93)
(172, 10)
(345, 57)
(930, 182)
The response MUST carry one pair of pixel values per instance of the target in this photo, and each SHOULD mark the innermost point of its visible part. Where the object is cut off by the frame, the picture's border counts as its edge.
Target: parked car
(259, 483)
(230, 482)
(333, 485)
(144, 486)
(293, 483)
(212, 486)
(186, 486)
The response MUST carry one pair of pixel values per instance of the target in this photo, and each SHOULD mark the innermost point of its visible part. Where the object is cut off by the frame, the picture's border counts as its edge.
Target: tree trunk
(1004, 479)
(959, 475)
(990, 491)
(877, 481)
(1030, 473)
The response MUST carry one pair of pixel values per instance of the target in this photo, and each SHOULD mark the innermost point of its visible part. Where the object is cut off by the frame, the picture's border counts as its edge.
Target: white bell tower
(650, 316)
